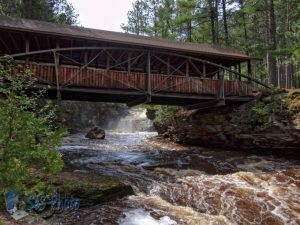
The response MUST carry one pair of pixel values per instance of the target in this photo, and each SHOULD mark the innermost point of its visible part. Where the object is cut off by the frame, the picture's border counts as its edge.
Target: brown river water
(183, 185)
(175, 184)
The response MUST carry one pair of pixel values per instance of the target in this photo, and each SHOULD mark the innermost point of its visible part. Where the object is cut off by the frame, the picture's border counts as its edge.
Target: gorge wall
(269, 123)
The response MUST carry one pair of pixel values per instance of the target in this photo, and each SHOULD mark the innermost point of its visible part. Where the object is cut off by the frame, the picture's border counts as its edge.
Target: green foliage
(247, 27)
(28, 140)
(1, 222)
(292, 101)
(260, 116)
(166, 114)
(59, 11)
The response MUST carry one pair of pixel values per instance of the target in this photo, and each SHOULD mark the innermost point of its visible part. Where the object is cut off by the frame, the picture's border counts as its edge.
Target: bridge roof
(75, 32)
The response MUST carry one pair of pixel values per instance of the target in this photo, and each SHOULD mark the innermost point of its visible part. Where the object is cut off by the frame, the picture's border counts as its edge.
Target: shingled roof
(40, 27)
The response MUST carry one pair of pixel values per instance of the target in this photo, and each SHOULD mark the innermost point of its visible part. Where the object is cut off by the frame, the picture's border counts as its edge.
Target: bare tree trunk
(241, 2)
(273, 44)
(216, 8)
(212, 21)
(225, 22)
(189, 31)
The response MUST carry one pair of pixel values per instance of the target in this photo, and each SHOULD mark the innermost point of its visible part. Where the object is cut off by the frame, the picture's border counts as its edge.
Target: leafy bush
(28, 140)
(260, 115)
(165, 114)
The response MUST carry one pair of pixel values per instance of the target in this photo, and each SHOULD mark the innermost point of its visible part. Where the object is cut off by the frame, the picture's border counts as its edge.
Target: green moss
(90, 188)
(293, 101)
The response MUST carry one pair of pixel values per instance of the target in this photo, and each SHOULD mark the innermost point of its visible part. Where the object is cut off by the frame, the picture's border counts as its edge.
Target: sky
(102, 14)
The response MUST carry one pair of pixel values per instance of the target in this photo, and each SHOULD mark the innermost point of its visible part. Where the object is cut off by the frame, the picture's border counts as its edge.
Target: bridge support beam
(222, 83)
(56, 62)
(148, 77)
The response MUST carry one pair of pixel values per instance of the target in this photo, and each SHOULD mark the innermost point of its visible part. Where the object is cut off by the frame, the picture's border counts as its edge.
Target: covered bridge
(76, 63)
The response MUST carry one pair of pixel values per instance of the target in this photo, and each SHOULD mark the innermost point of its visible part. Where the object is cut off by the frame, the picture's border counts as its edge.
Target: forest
(268, 30)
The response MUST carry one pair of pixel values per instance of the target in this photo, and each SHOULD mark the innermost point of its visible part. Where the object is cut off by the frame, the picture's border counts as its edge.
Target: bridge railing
(72, 76)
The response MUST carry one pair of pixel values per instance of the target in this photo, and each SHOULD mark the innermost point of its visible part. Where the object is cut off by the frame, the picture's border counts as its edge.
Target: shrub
(28, 140)
(166, 114)
(260, 115)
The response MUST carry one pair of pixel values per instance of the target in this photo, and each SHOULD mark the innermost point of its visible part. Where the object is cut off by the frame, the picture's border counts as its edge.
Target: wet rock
(91, 188)
(96, 133)
(150, 114)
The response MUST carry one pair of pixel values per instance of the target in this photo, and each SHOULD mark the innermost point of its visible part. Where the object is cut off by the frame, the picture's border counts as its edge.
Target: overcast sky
(102, 14)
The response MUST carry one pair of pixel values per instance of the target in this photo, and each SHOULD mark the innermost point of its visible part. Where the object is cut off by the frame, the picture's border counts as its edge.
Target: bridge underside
(74, 65)
(133, 98)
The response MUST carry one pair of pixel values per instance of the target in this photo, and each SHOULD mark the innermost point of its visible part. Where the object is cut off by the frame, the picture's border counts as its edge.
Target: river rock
(91, 188)
(96, 133)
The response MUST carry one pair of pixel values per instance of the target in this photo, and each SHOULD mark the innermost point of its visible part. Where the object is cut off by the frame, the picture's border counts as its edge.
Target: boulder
(96, 133)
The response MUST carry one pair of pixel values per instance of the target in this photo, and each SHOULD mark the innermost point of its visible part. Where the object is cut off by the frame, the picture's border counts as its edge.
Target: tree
(58, 11)
(225, 22)
(272, 43)
(266, 29)
(185, 18)
(63, 12)
(213, 11)
(28, 140)
(165, 23)
(137, 19)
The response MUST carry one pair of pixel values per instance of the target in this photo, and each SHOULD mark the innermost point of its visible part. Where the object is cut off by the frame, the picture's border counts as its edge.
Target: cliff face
(271, 123)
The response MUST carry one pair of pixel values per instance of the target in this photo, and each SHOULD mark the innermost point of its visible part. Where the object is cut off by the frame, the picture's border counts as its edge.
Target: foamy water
(185, 185)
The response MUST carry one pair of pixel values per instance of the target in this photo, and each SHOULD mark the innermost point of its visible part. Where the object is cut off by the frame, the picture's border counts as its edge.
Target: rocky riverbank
(270, 123)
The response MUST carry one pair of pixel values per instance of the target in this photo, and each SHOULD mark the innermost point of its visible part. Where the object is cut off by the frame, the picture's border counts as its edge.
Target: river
(176, 184)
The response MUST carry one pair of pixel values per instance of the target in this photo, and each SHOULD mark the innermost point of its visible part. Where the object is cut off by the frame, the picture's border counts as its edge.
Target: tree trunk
(212, 21)
(241, 2)
(272, 44)
(225, 23)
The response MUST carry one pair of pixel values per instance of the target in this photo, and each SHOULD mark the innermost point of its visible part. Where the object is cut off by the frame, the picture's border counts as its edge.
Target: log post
(187, 69)
(221, 85)
(204, 70)
(168, 66)
(56, 62)
(148, 78)
(249, 67)
(27, 49)
(240, 71)
(129, 63)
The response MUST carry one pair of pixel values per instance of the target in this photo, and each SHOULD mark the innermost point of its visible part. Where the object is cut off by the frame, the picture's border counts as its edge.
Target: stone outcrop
(271, 123)
(91, 189)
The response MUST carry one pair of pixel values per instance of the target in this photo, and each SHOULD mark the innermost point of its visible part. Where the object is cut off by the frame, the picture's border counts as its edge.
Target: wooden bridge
(75, 63)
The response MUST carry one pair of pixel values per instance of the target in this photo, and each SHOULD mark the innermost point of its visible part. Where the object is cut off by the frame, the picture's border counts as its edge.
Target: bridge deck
(71, 76)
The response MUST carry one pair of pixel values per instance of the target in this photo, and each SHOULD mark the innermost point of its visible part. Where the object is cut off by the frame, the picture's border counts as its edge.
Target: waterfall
(135, 121)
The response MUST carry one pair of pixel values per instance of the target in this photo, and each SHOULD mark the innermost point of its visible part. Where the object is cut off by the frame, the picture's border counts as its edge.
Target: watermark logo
(11, 200)
(41, 202)
(56, 202)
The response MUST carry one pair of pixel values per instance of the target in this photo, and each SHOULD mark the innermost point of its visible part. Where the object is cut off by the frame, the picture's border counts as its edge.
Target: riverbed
(176, 184)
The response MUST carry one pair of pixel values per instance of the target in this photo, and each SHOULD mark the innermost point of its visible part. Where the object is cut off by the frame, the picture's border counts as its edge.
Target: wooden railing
(98, 78)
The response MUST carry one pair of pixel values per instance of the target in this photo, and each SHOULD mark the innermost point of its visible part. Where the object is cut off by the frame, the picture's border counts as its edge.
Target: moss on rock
(91, 188)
